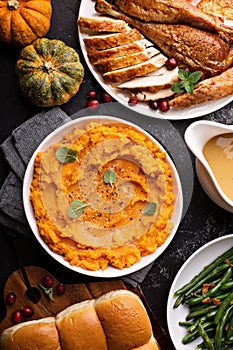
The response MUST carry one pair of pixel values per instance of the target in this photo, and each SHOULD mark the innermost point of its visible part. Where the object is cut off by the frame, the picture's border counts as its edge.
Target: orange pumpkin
(23, 21)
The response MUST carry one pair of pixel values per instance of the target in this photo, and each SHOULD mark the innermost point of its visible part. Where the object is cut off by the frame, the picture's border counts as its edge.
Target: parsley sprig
(187, 81)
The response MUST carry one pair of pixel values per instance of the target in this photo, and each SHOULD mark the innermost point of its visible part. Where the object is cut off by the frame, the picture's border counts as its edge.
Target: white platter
(87, 10)
(202, 257)
(110, 272)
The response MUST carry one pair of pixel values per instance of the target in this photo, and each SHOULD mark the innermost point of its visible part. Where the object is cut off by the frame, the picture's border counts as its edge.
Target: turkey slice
(152, 82)
(102, 24)
(109, 65)
(134, 71)
(154, 96)
(118, 51)
(101, 42)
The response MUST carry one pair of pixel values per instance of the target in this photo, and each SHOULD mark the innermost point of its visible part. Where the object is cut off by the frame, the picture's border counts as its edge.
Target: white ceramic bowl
(196, 136)
(56, 136)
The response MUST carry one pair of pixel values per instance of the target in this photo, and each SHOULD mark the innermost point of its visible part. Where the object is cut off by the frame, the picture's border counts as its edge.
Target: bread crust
(124, 319)
(31, 335)
(79, 328)
(117, 320)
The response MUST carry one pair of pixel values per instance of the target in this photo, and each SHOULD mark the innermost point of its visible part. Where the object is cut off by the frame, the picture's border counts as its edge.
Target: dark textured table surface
(203, 220)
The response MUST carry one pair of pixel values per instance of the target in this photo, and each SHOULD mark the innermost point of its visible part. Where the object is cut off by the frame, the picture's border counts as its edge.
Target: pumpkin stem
(13, 4)
(49, 67)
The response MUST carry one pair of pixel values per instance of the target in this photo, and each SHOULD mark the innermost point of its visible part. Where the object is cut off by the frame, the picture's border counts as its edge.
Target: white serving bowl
(56, 136)
(196, 136)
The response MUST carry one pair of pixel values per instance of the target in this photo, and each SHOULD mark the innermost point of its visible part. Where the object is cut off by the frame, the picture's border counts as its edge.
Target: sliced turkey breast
(154, 96)
(109, 65)
(134, 71)
(118, 51)
(101, 24)
(152, 82)
(101, 42)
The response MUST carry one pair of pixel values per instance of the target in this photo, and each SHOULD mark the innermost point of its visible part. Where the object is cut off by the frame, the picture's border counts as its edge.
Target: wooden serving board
(25, 282)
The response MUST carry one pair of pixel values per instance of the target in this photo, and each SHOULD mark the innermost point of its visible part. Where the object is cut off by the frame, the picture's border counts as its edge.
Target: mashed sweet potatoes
(103, 196)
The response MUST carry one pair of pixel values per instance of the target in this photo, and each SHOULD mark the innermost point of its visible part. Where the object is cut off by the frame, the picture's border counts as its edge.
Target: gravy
(218, 152)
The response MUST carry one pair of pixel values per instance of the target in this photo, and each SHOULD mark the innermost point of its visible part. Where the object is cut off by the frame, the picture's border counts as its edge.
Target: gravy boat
(196, 136)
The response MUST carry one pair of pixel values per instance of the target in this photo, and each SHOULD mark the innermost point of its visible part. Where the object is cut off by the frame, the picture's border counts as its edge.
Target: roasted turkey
(220, 8)
(170, 11)
(196, 48)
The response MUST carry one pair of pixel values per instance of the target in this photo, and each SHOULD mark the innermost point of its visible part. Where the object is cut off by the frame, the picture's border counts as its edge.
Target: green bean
(211, 314)
(230, 329)
(227, 285)
(201, 312)
(179, 300)
(188, 338)
(222, 296)
(230, 340)
(223, 306)
(194, 326)
(218, 261)
(185, 324)
(198, 307)
(209, 279)
(195, 334)
(208, 343)
(219, 329)
(212, 291)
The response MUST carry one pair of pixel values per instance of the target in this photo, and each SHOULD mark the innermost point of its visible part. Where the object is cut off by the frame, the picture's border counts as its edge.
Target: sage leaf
(194, 77)
(76, 209)
(189, 87)
(183, 74)
(66, 155)
(178, 86)
(150, 209)
(110, 177)
(187, 81)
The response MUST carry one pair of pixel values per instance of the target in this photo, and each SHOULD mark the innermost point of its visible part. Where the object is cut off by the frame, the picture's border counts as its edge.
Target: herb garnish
(48, 291)
(110, 177)
(76, 209)
(150, 209)
(66, 155)
(188, 81)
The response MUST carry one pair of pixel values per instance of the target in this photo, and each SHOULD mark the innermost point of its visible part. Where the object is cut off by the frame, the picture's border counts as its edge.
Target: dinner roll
(124, 319)
(31, 335)
(117, 320)
(151, 345)
(80, 329)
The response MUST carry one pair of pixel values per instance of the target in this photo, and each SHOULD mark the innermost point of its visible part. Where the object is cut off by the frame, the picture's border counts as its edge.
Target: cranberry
(202, 74)
(92, 104)
(106, 97)
(61, 288)
(16, 316)
(91, 94)
(10, 298)
(171, 63)
(133, 101)
(27, 311)
(48, 281)
(164, 105)
(154, 105)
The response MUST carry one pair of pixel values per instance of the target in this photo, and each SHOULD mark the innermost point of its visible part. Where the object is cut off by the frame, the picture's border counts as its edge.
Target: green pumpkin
(49, 72)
